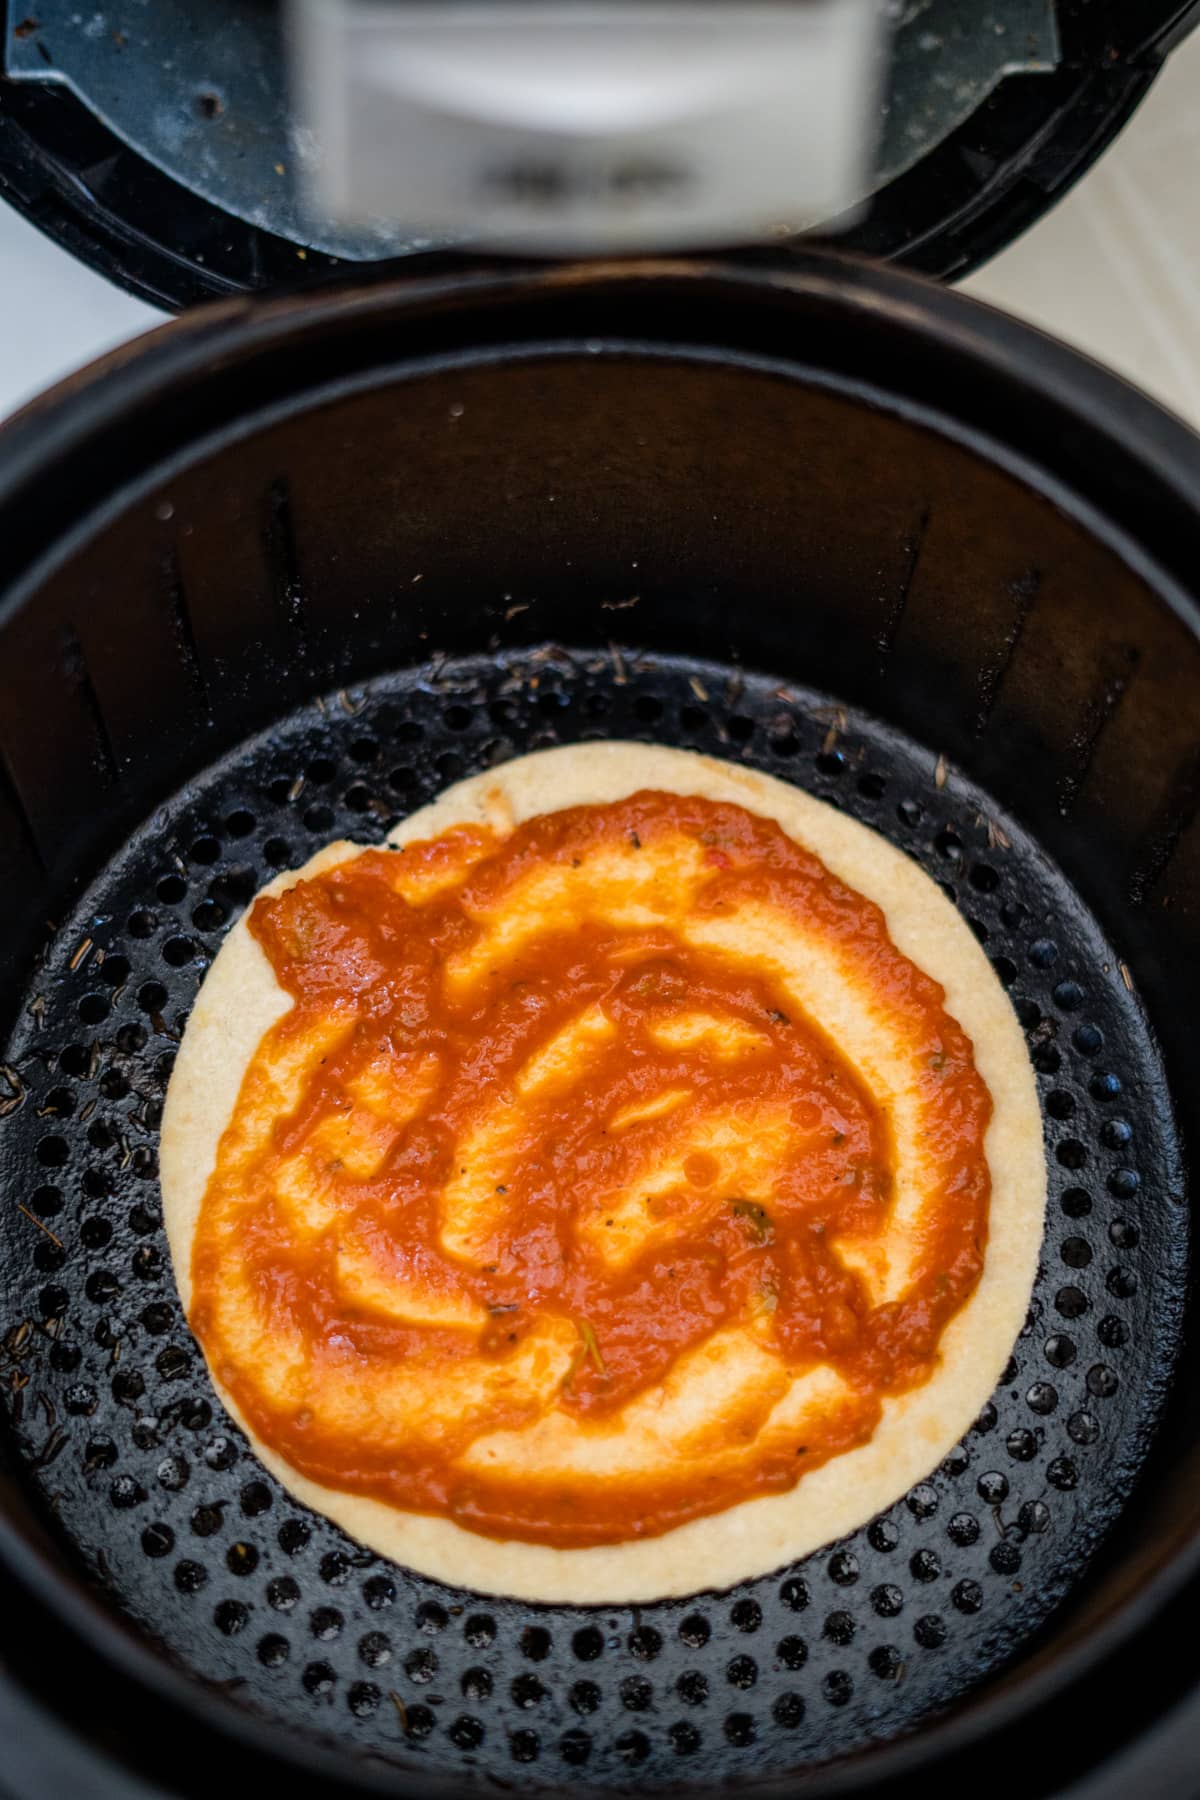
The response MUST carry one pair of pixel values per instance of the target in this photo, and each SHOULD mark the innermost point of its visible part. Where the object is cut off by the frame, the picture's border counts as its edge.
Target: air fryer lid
(939, 571)
(158, 142)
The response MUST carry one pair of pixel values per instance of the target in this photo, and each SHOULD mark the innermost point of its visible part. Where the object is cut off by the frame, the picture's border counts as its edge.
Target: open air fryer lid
(158, 144)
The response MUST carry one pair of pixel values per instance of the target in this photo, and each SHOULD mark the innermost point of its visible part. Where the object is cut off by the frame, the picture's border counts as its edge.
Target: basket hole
(575, 1747)
(584, 1698)
(843, 1568)
(636, 1694)
(633, 1747)
(526, 1691)
(536, 1643)
(190, 1577)
(46, 1201)
(524, 1746)
(838, 1687)
(379, 1592)
(363, 1699)
(375, 1649)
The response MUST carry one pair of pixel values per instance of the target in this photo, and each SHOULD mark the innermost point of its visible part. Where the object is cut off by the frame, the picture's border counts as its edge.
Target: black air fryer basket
(291, 567)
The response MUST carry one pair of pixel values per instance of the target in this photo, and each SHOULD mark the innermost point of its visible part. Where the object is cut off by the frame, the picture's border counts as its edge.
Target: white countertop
(1114, 269)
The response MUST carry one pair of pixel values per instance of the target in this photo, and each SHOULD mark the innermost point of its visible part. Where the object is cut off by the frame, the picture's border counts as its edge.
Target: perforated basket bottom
(115, 1422)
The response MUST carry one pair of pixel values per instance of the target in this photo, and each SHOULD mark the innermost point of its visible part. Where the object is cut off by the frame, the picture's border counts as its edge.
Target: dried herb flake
(757, 1219)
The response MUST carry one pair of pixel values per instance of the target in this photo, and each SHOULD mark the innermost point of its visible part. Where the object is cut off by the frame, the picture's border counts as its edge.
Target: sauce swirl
(555, 1205)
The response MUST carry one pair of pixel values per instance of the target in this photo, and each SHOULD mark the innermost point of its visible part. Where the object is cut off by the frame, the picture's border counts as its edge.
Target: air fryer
(290, 567)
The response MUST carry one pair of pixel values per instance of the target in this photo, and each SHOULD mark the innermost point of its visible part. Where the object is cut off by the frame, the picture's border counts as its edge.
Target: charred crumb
(14, 1099)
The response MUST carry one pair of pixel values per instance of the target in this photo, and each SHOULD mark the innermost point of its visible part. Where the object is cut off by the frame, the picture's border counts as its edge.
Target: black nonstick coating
(162, 1501)
(924, 565)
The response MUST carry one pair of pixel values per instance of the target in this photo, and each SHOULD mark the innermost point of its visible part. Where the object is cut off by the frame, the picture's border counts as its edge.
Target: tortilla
(241, 999)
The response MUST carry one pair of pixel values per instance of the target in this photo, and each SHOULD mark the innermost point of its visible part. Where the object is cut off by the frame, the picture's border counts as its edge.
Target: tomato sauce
(402, 949)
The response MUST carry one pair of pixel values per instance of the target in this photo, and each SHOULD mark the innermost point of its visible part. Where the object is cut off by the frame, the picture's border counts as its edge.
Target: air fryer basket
(292, 567)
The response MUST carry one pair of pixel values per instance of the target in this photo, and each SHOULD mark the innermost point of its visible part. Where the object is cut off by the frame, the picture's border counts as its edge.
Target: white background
(1114, 269)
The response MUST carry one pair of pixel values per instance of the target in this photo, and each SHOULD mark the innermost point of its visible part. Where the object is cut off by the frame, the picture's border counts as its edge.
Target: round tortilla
(241, 999)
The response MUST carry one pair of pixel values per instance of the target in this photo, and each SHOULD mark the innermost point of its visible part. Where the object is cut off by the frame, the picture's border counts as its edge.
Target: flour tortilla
(240, 1000)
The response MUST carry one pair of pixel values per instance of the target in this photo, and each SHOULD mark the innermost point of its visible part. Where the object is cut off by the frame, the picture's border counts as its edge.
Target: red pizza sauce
(452, 967)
